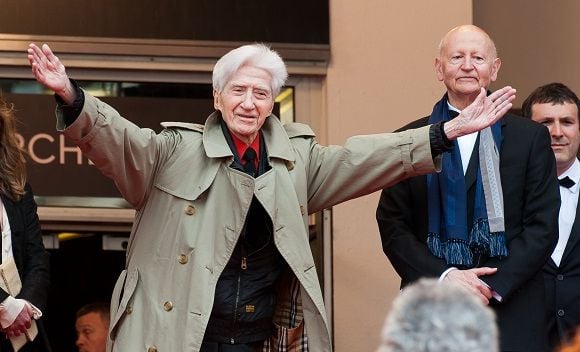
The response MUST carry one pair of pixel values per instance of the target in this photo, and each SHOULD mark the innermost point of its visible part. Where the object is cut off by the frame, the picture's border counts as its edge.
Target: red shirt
(242, 146)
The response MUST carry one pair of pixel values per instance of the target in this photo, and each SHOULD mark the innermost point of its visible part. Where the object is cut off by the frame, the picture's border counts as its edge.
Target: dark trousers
(207, 346)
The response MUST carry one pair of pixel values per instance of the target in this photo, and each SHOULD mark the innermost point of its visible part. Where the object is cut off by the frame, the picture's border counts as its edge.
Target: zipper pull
(244, 263)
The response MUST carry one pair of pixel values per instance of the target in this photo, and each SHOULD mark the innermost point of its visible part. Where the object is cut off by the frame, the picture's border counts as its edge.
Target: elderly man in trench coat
(193, 193)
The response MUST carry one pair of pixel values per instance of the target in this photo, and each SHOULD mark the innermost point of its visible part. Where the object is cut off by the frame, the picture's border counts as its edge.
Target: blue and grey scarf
(448, 235)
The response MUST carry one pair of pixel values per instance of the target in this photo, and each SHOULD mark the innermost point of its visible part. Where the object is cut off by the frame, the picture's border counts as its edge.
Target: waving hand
(50, 72)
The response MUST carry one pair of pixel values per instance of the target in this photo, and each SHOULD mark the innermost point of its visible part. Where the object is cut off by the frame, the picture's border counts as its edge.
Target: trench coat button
(302, 211)
(129, 310)
(168, 306)
(560, 277)
(152, 349)
(190, 209)
(182, 259)
(560, 312)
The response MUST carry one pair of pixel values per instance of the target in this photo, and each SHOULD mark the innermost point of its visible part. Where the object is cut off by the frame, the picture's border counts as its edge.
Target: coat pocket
(122, 294)
(287, 339)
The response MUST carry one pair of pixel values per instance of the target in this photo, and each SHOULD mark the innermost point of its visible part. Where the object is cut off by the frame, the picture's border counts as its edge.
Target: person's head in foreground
(430, 316)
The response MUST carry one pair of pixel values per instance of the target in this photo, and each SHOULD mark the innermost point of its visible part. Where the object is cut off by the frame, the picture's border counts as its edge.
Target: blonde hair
(12, 163)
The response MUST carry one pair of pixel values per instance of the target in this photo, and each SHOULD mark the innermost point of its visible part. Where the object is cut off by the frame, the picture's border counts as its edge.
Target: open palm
(47, 68)
(483, 112)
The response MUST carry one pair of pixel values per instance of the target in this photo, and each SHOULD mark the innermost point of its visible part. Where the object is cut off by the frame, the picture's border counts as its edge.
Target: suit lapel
(13, 220)
(574, 236)
(12, 214)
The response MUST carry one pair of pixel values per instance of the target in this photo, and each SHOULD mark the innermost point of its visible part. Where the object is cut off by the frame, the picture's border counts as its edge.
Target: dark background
(297, 21)
(36, 115)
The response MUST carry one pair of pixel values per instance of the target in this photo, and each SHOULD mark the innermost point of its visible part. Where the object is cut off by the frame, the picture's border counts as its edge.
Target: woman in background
(23, 259)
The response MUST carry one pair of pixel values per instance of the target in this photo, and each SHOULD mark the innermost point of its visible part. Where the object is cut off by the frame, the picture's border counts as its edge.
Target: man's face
(91, 333)
(467, 62)
(245, 102)
(562, 122)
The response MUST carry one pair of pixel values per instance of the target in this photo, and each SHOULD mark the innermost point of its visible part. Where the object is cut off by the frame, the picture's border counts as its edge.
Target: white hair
(255, 55)
(439, 317)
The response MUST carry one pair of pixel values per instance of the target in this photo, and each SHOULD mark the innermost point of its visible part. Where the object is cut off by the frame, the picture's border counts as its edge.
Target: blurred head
(573, 345)
(429, 316)
(556, 106)
(245, 82)
(92, 326)
(467, 62)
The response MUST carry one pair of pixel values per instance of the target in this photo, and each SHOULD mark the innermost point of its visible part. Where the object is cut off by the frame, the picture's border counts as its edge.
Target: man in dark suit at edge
(556, 106)
(488, 220)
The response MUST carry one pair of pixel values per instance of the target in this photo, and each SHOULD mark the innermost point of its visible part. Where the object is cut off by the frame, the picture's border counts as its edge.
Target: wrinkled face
(562, 122)
(245, 102)
(91, 333)
(466, 63)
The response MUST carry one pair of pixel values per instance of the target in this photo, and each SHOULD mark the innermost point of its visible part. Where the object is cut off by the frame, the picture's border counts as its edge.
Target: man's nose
(248, 102)
(556, 129)
(467, 63)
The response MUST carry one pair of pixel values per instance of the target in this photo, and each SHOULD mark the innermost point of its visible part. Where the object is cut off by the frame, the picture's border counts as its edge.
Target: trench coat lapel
(276, 139)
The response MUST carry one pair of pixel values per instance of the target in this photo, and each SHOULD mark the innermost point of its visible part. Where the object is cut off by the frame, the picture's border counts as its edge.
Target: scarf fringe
(434, 244)
(497, 245)
(454, 251)
(482, 241)
(458, 253)
(479, 238)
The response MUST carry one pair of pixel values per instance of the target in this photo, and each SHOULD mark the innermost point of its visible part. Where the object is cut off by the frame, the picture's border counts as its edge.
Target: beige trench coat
(191, 207)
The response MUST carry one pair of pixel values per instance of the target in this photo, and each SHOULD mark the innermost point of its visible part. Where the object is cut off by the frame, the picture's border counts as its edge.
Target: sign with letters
(57, 168)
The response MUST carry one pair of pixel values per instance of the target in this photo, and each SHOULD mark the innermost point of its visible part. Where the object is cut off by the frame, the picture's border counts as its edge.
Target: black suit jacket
(31, 258)
(531, 201)
(563, 289)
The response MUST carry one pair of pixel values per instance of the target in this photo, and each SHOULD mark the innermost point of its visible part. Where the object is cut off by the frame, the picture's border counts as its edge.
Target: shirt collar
(242, 146)
(451, 107)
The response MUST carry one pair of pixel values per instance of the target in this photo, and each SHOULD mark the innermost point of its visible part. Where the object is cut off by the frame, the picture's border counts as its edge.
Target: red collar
(242, 146)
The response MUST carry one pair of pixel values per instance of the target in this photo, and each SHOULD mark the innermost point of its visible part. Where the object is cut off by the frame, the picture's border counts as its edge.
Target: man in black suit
(487, 221)
(556, 106)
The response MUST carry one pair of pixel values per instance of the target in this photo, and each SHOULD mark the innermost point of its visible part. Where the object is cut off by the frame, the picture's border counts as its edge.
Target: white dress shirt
(466, 144)
(569, 197)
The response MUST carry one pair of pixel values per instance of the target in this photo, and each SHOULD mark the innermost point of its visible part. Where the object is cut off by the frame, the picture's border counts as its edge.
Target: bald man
(488, 220)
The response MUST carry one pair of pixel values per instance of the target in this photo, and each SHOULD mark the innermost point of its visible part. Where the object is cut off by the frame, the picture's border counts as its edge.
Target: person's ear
(439, 69)
(271, 109)
(216, 100)
(496, 64)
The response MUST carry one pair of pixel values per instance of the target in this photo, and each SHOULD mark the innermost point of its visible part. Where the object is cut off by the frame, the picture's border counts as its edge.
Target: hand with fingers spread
(470, 280)
(483, 112)
(50, 72)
